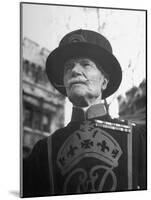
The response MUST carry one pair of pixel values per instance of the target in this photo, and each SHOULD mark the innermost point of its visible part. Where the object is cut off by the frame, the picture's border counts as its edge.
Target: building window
(36, 122)
(26, 66)
(46, 123)
(28, 115)
(36, 118)
(27, 139)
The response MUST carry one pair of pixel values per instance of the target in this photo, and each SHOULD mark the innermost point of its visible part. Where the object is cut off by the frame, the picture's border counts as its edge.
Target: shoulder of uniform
(115, 124)
(119, 120)
(123, 121)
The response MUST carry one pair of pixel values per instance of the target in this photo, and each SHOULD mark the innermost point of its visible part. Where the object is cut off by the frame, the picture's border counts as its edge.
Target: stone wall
(133, 106)
(43, 106)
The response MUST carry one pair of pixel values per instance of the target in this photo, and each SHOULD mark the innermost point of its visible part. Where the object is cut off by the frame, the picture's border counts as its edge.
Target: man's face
(83, 81)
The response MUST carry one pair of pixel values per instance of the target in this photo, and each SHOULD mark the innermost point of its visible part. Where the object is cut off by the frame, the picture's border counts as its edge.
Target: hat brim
(108, 62)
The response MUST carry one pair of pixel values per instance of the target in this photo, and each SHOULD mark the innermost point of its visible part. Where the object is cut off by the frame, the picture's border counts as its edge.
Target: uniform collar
(93, 112)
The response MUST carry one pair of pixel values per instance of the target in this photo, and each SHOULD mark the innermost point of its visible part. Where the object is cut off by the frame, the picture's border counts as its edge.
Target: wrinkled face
(83, 81)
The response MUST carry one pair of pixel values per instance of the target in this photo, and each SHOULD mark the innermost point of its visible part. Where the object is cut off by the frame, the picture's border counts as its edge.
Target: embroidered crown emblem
(88, 141)
(76, 38)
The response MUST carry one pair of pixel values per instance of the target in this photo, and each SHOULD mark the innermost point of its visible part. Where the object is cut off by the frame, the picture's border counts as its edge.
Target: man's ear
(105, 83)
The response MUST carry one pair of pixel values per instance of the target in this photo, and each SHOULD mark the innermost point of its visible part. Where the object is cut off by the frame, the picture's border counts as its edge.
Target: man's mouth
(75, 82)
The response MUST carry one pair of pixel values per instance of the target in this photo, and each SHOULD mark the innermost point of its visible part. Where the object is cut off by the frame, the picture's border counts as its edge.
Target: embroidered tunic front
(94, 153)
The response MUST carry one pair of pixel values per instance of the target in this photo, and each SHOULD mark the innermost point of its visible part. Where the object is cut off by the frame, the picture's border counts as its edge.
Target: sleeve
(35, 172)
(143, 158)
(140, 155)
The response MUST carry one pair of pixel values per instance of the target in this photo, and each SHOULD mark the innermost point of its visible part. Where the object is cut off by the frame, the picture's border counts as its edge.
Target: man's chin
(77, 93)
(76, 98)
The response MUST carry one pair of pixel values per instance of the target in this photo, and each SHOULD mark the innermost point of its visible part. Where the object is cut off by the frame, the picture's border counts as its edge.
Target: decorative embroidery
(89, 141)
(71, 151)
(114, 126)
(94, 181)
(103, 145)
(86, 144)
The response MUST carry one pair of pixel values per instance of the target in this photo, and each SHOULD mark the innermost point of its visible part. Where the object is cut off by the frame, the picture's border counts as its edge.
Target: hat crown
(87, 36)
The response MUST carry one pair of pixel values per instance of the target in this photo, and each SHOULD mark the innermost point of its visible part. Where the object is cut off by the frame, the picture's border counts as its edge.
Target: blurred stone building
(133, 106)
(43, 106)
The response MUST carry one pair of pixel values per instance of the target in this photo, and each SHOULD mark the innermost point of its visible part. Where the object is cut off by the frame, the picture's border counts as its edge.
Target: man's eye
(68, 67)
(87, 65)
(84, 64)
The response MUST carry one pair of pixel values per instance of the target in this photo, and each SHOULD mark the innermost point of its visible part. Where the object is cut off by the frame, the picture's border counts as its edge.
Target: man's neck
(82, 108)
(90, 112)
(86, 102)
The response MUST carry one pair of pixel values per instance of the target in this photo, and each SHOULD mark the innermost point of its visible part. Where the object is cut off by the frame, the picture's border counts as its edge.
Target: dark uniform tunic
(93, 153)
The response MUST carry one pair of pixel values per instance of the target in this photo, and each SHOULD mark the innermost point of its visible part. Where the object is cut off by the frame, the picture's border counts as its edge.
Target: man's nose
(77, 69)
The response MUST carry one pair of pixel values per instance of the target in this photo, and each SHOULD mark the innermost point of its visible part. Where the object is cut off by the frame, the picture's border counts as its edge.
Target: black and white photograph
(83, 99)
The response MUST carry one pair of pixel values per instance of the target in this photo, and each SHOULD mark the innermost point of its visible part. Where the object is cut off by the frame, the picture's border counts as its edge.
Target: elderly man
(93, 153)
